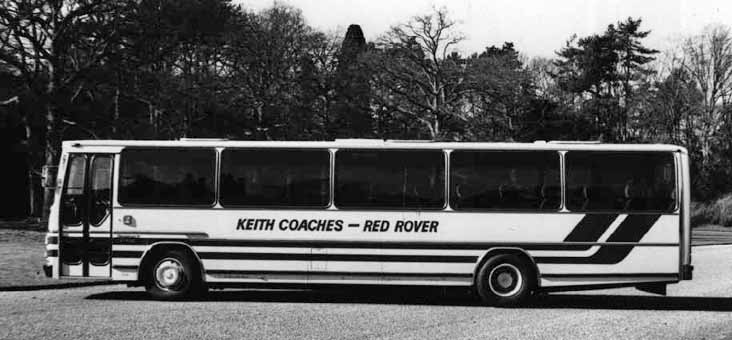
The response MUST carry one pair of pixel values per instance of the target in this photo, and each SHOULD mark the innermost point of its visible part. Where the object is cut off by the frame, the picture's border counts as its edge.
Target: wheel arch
(520, 253)
(158, 248)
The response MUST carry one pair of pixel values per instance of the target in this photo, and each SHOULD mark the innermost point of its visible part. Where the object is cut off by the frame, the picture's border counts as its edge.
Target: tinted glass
(76, 174)
(620, 181)
(167, 176)
(73, 203)
(297, 178)
(101, 185)
(390, 179)
(523, 180)
(102, 175)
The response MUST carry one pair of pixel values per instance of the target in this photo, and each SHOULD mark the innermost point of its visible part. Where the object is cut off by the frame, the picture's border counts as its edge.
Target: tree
(498, 90)
(633, 71)
(416, 75)
(542, 72)
(170, 69)
(264, 59)
(316, 101)
(604, 72)
(709, 63)
(352, 89)
(55, 46)
(674, 104)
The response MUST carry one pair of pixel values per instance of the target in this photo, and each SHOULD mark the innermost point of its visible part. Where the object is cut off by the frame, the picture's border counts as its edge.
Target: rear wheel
(173, 275)
(504, 280)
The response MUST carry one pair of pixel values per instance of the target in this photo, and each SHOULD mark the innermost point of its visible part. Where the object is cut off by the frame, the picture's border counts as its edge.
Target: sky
(537, 28)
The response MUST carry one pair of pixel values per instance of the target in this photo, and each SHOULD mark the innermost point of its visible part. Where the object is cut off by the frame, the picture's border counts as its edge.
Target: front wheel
(504, 280)
(172, 276)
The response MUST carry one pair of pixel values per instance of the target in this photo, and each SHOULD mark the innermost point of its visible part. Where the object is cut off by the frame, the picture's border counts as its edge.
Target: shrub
(717, 212)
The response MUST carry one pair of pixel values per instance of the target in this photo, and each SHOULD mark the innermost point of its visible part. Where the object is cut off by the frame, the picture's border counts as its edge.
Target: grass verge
(22, 255)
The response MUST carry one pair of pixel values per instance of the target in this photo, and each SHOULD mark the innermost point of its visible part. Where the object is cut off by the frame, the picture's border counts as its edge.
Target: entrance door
(86, 216)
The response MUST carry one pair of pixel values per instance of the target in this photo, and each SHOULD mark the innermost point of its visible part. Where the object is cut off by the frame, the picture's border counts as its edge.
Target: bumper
(48, 270)
(686, 271)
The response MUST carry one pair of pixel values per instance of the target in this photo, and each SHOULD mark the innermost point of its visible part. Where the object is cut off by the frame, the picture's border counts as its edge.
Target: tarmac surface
(697, 309)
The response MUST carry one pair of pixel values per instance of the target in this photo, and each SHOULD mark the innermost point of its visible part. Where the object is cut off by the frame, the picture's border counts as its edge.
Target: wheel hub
(505, 280)
(169, 274)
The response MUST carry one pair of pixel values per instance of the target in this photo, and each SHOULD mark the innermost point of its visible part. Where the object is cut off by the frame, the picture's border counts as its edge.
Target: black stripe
(304, 272)
(143, 241)
(605, 275)
(125, 267)
(378, 244)
(590, 228)
(337, 257)
(52, 240)
(330, 244)
(175, 233)
(140, 241)
(52, 253)
(371, 244)
(631, 230)
(127, 254)
(388, 258)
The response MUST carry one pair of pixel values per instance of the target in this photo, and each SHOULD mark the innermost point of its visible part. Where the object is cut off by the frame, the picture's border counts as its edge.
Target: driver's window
(74, 191)
(101, 185)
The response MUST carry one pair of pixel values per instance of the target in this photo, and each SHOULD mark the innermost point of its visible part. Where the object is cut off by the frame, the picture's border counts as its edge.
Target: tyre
(504, 280)
(173, 275)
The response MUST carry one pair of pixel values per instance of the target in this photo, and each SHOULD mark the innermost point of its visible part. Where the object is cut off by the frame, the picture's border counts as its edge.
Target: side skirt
(599, 286)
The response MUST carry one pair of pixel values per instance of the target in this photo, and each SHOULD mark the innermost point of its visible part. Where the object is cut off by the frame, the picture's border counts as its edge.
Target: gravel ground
(698, 309)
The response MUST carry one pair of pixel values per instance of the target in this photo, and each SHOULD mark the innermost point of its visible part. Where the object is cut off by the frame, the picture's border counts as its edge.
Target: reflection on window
(271, 177)
(77, 172)
(167, 176)
(511, 180)
(390, 179)
(101, 193)
(101, 170)
(620, 181)
(73, 202)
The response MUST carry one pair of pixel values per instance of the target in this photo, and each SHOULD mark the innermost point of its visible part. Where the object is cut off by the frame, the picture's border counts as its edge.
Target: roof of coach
(373, 144)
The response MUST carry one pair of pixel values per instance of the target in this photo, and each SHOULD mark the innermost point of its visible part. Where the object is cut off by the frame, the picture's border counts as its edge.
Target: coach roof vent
(575, 142)
(203, 139)
(360, 140)
(409, 141)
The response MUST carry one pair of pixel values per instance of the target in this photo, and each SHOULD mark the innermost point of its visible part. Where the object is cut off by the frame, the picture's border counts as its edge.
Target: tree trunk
(116, 112)
(50, 157)
(52, 142)
(29, 164)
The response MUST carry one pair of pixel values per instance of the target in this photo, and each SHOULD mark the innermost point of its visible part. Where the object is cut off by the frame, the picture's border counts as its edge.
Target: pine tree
(351, 108)
(604, 72)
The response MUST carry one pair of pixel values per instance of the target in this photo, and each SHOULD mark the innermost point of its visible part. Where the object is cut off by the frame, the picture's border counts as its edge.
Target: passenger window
(638, 181)
(167, 176)
(275, 177)
(504, 180)
(390, 179)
